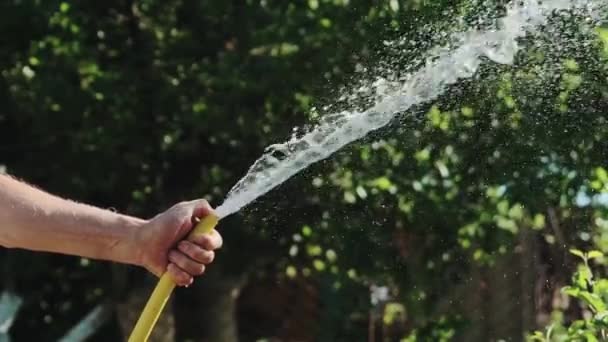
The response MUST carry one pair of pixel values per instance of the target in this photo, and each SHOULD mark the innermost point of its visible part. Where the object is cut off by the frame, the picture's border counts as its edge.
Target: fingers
(190, 257)
(179, 276)
(210, 241)
(186, 264)
(196, 253)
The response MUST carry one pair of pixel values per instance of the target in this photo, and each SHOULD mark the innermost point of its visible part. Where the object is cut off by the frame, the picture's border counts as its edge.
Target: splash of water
(445, 67)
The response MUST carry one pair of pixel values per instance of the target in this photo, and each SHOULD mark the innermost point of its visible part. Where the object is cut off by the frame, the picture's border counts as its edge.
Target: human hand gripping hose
(162, 292)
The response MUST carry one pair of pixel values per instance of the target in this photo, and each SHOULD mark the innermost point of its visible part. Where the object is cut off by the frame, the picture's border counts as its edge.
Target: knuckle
(178, 207)
(209, 242)
(208, 257)
(174, 219)
(184, 208)
(195, 269)
(191, 267)
(185, 247)
(195, 239)
(205, 240)
(201, 241)
(199, 256)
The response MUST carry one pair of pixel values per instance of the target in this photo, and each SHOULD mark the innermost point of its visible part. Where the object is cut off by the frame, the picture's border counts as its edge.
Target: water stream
(447, 66)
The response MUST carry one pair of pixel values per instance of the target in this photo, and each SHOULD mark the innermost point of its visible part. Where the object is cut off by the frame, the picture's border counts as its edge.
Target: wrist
(129, 250)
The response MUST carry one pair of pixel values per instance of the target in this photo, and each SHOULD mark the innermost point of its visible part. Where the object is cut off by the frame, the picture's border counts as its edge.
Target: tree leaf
(595, 255)
(578, 253)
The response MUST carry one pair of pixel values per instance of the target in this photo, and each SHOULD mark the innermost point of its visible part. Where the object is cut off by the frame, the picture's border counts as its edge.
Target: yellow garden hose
(163, 290)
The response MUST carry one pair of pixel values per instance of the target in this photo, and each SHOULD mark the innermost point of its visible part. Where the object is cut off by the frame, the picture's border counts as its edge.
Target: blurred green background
(454, 223)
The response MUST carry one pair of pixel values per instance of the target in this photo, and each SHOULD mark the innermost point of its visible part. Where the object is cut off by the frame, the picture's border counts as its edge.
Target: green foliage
(138, 104)
(592, 294)
(443, 330)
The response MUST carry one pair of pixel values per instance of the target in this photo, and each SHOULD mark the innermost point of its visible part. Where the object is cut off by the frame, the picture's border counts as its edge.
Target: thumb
(201, 208)
(194, 210)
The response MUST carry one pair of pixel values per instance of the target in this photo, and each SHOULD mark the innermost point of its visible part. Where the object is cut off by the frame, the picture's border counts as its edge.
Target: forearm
(35, 220)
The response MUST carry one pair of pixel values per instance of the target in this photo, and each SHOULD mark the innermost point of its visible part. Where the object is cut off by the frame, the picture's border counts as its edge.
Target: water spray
(391, 98)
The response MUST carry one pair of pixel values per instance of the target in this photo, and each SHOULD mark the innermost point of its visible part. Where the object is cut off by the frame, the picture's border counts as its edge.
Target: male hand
(162, 246)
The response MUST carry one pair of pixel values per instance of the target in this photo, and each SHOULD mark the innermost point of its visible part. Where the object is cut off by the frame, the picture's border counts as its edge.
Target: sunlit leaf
(578, 253)
(595, 254)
